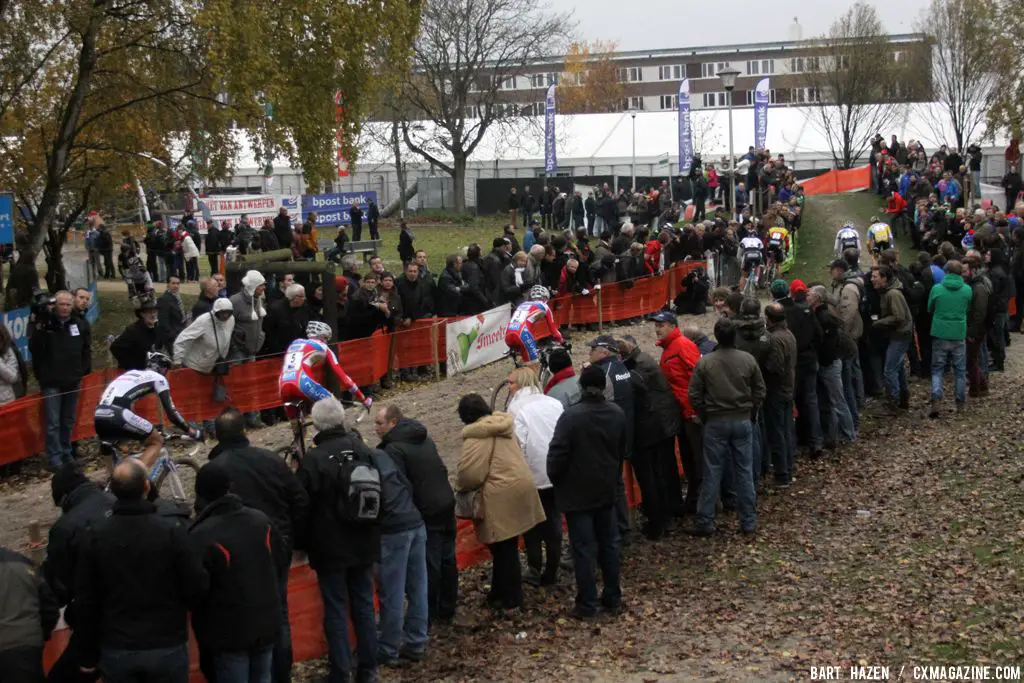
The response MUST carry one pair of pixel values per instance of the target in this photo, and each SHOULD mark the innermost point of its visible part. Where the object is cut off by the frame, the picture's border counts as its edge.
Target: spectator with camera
(61, 347)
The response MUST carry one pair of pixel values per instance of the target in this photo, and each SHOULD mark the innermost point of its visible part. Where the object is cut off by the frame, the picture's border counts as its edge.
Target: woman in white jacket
(10, 370)
(190, 252)
(207, 340)
(535, 416)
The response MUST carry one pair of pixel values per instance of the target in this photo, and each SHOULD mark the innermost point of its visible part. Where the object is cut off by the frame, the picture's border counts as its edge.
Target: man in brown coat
(897, 324)
(977, 323)
(780, 378)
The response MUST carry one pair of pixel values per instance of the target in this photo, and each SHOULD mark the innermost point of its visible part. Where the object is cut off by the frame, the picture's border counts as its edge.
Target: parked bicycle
(178, 473)
(502, 396)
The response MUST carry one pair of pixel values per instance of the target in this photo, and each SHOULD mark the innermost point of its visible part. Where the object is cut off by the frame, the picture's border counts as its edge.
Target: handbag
(469, 503)
(220, 369)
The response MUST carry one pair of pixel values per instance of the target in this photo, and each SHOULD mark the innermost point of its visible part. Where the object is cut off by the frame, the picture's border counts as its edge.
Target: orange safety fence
(832, 182)
(365, 361)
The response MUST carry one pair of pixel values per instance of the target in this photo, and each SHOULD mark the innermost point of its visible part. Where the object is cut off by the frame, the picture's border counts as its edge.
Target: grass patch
(951, 652)
(823, 216)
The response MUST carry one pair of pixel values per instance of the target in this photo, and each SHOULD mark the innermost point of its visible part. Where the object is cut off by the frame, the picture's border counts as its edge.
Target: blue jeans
(778, 421)
(282, 651)
(852, 382)
(594, 541)
(840, 422)
(727, 441)
(163, 665)
(954, 352)
(895, 371)
(807, 401)
(403, 573)
(244, 666)
(59, 409)
(340, 590)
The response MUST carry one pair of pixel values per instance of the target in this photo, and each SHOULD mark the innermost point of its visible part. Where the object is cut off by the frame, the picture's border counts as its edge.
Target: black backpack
(358, 492)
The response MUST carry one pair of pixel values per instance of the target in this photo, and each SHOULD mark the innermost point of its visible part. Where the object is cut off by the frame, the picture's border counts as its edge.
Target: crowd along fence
(252, 386)
(365, 360)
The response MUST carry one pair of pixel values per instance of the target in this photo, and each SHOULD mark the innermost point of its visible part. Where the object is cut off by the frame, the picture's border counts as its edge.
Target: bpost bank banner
(685, 134)
(18, 321)
(6, 219)
(478, 340)
(332, 208)
(762, 95)
(550, 155)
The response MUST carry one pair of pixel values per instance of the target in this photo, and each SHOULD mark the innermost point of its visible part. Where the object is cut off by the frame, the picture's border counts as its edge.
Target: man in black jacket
(105, 246)
(82, 505)
(138, 339)
(238, 622)
(415, 454)
(283, 228)
(835, 345)
(263, 481)
(372, 219)
(584, 465)
(28, 613)
(807, 331)
(208, 291)
(341, 553)
(356, 214)
(450, 287)
(212, 244)
(657, 422)
(267, 238)
(286, 320)
(492, 266)
(527, 205)
(416, 293)
(171, 319)
(590, 206)
(131, 631)
(1011, 183)
(61, 348)
(474, 298)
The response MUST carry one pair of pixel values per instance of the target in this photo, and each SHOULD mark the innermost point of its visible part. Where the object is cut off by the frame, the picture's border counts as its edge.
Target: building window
(805, 96)
(536, 80)
(750, 97)
(670, 72)
(842, 62)
(505, 83)
(760, 67)
(711, 69)
(631, 75)
(715, 100)
(899, 57)
(803, 64)
(552, 78)
(668, 101)
(635, 103)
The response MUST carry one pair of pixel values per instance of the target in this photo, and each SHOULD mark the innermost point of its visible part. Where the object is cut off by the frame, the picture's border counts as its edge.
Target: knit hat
(65, 480)
(559, 360)
(780, 290)
(252, 280)
(797, 287)
(593, 377)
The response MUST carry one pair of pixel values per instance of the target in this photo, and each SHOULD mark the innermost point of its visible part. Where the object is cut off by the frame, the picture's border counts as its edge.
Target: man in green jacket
(948, 303)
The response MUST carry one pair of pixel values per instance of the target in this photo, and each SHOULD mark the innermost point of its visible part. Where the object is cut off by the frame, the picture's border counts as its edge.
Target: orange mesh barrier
(832, 182)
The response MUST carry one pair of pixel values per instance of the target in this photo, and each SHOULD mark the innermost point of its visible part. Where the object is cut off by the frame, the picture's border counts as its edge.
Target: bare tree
(468, 52)
(1007, 111)
(858, 82)
(964, 65)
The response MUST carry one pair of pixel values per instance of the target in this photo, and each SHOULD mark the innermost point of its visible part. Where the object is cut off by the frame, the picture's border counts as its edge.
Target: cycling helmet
(318, 330)
(538, 292)
(160, 362)
(848, 225)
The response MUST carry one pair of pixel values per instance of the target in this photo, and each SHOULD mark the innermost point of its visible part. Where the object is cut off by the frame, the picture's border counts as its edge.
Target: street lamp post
(728, 77)
(633, 165)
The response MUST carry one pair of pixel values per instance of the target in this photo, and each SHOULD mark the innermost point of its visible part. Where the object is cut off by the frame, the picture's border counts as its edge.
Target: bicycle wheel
(181, 482)
(501, 396)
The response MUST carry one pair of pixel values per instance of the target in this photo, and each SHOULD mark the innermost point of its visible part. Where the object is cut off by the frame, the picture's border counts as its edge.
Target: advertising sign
(6, 219)
(332, 208)
(478, 340)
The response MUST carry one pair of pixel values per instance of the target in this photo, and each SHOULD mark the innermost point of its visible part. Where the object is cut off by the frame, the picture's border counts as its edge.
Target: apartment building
(651, 78)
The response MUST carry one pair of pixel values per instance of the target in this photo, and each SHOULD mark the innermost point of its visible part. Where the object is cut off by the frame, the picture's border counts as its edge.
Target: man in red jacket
(679, 356)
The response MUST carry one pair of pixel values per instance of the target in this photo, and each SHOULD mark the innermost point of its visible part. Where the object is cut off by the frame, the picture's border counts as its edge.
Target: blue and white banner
(685, 132)
(550, 157)
(761, 99)
(333, 208)
(6, 219)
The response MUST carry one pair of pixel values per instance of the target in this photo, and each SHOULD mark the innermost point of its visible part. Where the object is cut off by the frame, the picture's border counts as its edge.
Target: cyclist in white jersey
(114, 419)
(847, 238)
(751, 255)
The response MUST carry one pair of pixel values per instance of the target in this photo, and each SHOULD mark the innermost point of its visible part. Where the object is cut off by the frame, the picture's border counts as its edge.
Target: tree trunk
(399, 169)
(56, 275)
(60, 150)
(459, 181)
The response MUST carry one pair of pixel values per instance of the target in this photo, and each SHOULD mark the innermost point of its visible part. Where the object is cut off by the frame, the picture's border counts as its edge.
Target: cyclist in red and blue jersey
(519, 337)
(303, 370)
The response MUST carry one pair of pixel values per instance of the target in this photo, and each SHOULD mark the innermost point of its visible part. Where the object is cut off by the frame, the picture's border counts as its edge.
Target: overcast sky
(675, 23)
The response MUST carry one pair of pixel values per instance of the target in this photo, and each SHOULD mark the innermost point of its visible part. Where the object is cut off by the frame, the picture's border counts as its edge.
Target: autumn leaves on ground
(905, 549)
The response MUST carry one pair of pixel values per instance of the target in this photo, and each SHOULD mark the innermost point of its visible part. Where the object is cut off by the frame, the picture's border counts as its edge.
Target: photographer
(61, 355)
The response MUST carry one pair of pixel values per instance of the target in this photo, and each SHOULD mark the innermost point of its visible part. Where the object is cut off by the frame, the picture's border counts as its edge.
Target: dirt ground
(905, 549)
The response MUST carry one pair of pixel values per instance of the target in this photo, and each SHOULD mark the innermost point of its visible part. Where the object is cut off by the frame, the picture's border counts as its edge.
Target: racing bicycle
(753, 280)
(502, 396)
(294, 452)
(178, 473)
